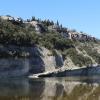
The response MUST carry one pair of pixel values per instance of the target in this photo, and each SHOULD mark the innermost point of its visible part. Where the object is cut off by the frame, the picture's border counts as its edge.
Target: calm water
(68, 88)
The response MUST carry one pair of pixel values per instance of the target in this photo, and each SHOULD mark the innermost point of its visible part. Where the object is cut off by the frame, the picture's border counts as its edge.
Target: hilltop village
(49, 26)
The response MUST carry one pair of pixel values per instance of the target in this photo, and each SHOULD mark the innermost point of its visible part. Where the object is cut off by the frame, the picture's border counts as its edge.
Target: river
(65, 88)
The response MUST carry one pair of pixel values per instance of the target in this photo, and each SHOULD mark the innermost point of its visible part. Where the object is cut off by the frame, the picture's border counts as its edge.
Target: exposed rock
(21, 61)
(34, 60)
(39, 28)
(24, 57)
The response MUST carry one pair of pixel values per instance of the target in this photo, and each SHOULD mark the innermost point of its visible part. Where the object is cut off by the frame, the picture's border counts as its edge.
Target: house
(17, 20)
(7, 17)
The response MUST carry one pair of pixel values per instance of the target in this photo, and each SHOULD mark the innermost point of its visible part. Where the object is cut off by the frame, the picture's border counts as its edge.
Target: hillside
(55, 45)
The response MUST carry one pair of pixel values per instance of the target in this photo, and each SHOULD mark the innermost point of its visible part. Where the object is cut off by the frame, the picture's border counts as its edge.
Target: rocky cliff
(21, 60)
(34, 46)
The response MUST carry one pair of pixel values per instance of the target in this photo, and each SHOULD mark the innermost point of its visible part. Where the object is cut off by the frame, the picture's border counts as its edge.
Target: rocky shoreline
(84, 71)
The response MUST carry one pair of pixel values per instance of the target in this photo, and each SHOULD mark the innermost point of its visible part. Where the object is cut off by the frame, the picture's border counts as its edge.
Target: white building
(7, 18)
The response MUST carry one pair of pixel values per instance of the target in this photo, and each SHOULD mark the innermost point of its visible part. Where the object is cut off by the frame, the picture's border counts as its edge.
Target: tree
(33, 18)
(57, 23)
(28, 20)
(52, 23)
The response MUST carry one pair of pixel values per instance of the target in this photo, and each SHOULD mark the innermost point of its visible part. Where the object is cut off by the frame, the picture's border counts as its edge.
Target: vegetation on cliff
(81, 52)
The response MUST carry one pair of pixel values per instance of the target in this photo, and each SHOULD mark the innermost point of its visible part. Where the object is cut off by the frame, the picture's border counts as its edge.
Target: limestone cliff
(21, 60)
(34, 46)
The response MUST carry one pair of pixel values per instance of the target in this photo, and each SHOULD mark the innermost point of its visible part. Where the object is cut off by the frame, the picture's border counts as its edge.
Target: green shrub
(77, 59)
(93, 53)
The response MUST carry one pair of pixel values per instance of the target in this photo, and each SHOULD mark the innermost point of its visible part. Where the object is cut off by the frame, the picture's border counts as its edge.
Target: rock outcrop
(21, 61)
(36, 46)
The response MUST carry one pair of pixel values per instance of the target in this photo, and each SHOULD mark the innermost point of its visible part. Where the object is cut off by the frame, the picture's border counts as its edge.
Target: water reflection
(50, 89)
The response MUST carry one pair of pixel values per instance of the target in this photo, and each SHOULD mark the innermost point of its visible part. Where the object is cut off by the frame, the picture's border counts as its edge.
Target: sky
(82, 15)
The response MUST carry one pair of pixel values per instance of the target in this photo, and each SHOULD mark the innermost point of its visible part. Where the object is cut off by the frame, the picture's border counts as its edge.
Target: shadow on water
(66, 88)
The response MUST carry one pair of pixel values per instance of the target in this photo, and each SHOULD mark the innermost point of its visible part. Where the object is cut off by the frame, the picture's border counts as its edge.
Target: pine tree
(33, 18)
(57, 23)
(52, 23)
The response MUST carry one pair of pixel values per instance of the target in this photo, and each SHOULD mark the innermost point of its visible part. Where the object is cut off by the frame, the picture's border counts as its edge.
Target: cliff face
(19, 61)
(33, 46)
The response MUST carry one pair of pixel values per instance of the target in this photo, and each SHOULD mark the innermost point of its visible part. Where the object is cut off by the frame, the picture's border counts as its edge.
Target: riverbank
(83, 71)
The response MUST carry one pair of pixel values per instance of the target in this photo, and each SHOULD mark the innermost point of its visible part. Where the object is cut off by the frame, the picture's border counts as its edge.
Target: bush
(93, 53)
(78, 59)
